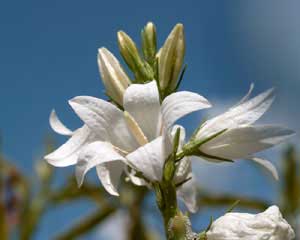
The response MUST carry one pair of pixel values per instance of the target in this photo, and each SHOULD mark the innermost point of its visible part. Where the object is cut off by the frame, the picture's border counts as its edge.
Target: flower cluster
(135, 132)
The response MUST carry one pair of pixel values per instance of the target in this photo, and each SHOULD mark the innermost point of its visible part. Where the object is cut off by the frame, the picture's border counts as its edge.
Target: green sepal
(169, 166)
(199, 153)
(177, 185)
(181, 77)
(200, 142)
(233, 206)
(169, 170)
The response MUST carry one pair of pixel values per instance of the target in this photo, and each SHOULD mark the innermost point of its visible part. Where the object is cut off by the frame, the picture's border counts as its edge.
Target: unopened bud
(141, 69)
(43, 170)
(180, 228)
(113, 76)
(149, 42)
(171, 58)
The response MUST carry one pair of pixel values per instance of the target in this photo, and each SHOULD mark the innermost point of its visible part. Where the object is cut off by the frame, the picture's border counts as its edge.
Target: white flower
(268, 225)
(241, 139)
(112, 138)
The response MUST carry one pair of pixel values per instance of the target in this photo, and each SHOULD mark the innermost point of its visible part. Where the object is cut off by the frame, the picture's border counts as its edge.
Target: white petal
(134, 179)
(183, 170)
(109, 174)
(179, 104)
(57, 125)
(67, 154)
(243, 114)
(244, 141)
(105, 120)
(188, 193)
(142, 102)
(95, 154)
(246, 97)
(268, 165)
(149, 159)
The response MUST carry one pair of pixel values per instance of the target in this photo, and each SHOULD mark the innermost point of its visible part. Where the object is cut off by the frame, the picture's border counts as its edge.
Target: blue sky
(48, 55)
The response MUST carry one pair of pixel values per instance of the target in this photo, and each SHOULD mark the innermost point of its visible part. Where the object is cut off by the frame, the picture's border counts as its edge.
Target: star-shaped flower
(232, 135)
(139, 137)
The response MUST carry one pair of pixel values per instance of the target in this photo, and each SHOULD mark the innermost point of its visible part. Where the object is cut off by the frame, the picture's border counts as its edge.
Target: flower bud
(149, 42)
(170, 59)
(43, 170)
(130, 53)
(113, 76)
(179, 227)
(267, 225)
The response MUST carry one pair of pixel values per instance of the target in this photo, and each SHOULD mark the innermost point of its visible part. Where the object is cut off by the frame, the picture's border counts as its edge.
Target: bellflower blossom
(233, 135)
(269, 225)
(140, 136)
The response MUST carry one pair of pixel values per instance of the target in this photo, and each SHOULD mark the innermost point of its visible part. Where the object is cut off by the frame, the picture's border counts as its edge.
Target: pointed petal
(138, 181)
(94, 154)
(268, 165)
(109, 174)
(243, 114)
(246, 97)
(142, 102)
(67, 154)
(183, 170)
(188, 193)
(149, 159)
(134, 179)
(179, 104)
(241, 142)
(58, 126)
(105, 120)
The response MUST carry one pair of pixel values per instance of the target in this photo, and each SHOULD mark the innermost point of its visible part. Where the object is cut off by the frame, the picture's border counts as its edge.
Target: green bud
(170, 59)
(141, 69)
(180, 228)
(113, 76)
(43, 170)
(149, 42)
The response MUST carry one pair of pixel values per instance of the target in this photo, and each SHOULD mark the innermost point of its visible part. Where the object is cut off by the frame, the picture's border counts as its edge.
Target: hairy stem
(174, 221)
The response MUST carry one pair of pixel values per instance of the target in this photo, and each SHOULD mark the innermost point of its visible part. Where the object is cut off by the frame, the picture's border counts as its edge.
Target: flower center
(135, 129)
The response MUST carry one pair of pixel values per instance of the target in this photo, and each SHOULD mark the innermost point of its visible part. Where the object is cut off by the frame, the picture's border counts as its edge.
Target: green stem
(167, 203)
(174, 220)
